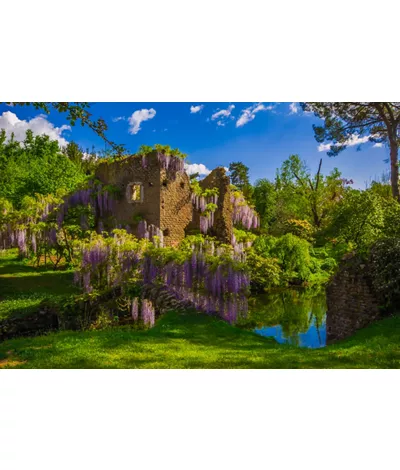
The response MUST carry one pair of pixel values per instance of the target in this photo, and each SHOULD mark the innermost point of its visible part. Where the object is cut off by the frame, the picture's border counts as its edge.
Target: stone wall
(165, 199)
(351, 300)
(223, 225)
(176, 210)
(121, 174)
(165, 196)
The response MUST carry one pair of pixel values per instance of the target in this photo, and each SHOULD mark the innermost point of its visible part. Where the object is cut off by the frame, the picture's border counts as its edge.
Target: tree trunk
(394, 168)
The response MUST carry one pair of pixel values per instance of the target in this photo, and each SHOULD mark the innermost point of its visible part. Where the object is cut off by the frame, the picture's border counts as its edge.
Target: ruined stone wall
(351, 301)
(223, 226)
(165, 199)
(121, 174)
(176, 206)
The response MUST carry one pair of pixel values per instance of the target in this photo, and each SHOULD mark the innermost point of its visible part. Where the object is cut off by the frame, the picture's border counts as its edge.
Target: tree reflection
(294, 310)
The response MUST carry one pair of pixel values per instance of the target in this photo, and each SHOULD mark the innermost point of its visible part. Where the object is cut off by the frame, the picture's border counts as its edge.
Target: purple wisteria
(167, 162)
(95, 195)
(211, 279)
(135, 309)
(149, 231)
(148, 313)
(207, 215)
(243, 214)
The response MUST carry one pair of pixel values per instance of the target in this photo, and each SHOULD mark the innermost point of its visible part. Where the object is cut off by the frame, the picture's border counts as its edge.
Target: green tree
(265, 200)
(35, 166)
(306, 196)
(239, 174)
(363, 217)
(342, 121)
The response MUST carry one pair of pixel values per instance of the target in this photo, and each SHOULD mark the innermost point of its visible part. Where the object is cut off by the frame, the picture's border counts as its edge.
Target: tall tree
(239, 174)
(306, 195)
(379, 121)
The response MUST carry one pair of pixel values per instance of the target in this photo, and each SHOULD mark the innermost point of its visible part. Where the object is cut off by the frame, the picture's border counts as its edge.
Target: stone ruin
(352, 300)
(155, 198)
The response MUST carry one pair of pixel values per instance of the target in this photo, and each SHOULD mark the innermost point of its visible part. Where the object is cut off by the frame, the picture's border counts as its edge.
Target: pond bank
(178, 340)
(192, 340)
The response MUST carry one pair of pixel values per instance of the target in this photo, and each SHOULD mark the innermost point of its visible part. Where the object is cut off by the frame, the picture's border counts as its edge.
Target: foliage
(243, 236)
(85, 161)
(304, 196)
(165, 149)
(264, 272)
(299, 262)
(300, 228)
(345, 121)
(36, 166)
(265, 197)
(239, 174)
(362, 217)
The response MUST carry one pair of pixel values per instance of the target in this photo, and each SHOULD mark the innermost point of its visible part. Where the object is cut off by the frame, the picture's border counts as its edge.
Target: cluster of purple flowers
(243, 214)
(135, 308)
(149, 231)
(171, 163)
(94, 194)
(7, 237)
(206, 218)
(22, 241)
(167, 162)
(148, 313)
(239, 249)
(206, 221)
(221, 290)
(216, 289)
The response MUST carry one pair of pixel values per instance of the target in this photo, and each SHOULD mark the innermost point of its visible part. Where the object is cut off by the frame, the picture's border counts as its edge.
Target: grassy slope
(187, 341)
(23, 287)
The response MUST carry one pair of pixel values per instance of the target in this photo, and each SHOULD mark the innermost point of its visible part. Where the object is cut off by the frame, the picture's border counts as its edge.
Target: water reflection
(291, 316)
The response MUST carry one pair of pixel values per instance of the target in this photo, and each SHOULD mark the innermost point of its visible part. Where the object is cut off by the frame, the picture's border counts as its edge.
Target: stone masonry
(351, 300)
(162, 198)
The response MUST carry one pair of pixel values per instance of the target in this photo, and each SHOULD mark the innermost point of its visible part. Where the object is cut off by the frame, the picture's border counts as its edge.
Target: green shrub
(265, 272)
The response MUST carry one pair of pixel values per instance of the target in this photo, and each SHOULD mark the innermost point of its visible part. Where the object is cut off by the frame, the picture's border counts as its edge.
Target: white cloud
(119, 118)
(223, 115)
(192, 168)
(39, 125)
(378, 145)
(248, 114)
(196, 109)
(138, 117)
(350, 142)
(294, 109)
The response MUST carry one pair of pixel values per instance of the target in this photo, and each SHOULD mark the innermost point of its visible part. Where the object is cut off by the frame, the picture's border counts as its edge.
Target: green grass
(189, 340)
(198, 341)
(23, 287)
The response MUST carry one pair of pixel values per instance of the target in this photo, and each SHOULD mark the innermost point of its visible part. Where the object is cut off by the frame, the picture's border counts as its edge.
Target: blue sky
(261, 135)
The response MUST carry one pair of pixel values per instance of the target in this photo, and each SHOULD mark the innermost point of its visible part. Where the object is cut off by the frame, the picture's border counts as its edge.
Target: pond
(292, 316)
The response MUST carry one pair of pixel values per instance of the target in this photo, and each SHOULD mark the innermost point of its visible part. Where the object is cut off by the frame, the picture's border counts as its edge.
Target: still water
(291, 316)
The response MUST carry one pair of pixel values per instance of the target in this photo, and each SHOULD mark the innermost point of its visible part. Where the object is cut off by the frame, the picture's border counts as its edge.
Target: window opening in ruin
(134, 192)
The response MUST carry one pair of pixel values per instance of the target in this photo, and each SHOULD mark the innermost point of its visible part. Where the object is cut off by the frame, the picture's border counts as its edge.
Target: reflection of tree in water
(294, 310)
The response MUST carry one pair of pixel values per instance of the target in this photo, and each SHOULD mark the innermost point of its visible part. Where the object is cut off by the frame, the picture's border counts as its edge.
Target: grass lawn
(23, 287)
(189, 340)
